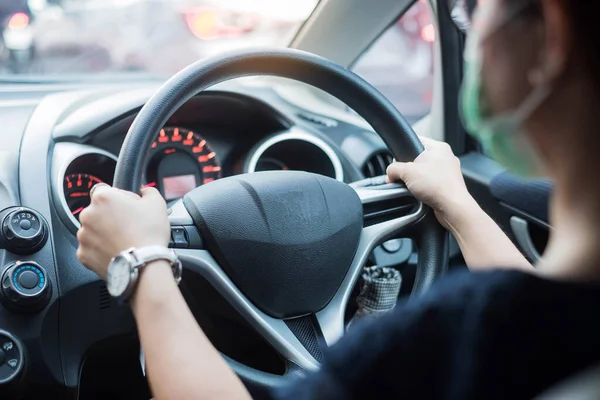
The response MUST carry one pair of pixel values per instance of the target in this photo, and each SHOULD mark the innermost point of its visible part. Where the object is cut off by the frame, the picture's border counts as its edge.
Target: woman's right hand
(436, 179)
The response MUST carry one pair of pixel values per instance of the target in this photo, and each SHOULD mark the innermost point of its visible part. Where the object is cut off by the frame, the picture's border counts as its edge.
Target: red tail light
(18, 21)
(209, 23)
(428, 33)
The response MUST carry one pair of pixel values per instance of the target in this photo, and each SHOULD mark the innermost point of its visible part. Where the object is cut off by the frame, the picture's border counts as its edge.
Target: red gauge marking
(211, 168)
(154, 145)
(163, 138)
(80, 209)
(69, 183)
(170, 151)
(189, 140)
(79, 194)
(200, 147)
(150, 184)
(79, 182)
(206, 157)
(207, 180)
(176, 135)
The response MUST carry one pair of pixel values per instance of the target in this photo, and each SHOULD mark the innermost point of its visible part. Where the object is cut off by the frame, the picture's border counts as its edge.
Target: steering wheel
(286, 248)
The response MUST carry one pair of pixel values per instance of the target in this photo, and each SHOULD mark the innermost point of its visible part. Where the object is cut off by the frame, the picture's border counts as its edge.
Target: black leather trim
(432, 242)
(259, 383)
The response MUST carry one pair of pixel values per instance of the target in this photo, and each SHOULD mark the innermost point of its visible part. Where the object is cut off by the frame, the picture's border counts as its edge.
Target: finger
(150, 193)
(128, 193)
(96, 187)
(153, 195)
(399, 171)
(428, 142)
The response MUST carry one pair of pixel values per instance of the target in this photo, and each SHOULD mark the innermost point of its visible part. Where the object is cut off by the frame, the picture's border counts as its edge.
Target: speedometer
(77, 191)
(179, 161)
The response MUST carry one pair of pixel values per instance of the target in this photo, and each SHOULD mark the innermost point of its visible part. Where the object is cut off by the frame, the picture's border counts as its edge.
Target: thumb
(399, 171)
(152, 194)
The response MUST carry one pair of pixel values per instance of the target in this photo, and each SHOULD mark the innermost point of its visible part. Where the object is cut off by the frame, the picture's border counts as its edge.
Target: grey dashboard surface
(13, 118)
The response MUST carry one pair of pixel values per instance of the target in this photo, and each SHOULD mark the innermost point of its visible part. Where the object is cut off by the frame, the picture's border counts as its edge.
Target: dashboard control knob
(11, 358)
(24, 231)
(25, 286)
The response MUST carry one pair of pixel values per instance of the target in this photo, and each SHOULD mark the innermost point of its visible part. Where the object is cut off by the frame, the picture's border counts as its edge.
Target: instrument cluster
(179, 160)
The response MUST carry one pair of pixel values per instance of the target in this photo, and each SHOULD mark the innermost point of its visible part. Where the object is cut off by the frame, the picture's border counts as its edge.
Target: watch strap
(148, 254)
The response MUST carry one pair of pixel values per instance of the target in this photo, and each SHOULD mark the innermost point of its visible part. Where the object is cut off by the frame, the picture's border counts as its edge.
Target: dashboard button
(28, 279)
(24, 230)
(392, 246)
(25, 224)
(25, 287)
(179, 237)
(11, 358)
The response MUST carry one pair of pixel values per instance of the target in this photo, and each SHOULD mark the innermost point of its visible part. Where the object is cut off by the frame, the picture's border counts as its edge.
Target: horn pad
(285, 238)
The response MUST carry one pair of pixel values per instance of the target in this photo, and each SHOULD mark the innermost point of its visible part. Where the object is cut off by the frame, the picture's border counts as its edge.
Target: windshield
(62, 38)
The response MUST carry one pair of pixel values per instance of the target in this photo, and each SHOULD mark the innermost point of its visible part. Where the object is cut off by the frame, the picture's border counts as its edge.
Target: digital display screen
(176, 187)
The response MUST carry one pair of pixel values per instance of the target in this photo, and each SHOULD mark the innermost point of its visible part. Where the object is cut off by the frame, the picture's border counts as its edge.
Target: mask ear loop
(533, 101)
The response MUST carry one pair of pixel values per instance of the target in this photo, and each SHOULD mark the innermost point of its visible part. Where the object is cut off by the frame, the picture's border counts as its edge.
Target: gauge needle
(151, 184)
(80, 209)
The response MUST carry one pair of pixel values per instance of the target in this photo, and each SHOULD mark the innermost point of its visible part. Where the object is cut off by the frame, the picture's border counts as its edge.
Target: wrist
(461, 214)
(154, 284)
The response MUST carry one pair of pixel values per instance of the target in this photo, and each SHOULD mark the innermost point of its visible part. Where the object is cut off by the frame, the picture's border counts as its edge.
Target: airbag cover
(285, 238)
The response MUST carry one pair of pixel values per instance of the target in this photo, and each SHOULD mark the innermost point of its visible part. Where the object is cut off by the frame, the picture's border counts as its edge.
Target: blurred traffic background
(43, 39)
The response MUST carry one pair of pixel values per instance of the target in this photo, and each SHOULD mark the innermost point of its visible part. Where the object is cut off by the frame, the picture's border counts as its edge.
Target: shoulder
(462, 294)
(417, 342)
(460, 336)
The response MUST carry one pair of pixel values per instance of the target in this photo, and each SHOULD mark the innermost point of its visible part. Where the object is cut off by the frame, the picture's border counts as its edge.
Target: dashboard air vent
(104, 297)
(377, 164)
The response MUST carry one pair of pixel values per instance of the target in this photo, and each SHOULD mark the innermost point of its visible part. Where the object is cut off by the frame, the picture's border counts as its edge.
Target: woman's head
(530, 42)
(539, 60)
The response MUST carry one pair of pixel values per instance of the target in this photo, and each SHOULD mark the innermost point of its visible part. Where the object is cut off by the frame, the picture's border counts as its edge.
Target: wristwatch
(124, 269)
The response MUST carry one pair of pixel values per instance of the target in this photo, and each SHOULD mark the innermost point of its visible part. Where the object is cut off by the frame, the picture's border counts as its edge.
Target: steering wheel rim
(386, 120)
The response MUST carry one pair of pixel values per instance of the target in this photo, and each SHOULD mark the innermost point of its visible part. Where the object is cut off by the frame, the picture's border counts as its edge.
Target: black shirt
(492, 335)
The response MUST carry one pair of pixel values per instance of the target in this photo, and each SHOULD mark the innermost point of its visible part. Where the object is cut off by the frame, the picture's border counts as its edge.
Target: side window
(400, 62)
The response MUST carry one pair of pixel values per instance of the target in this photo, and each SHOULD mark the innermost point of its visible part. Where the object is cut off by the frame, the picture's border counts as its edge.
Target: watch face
(118, 276)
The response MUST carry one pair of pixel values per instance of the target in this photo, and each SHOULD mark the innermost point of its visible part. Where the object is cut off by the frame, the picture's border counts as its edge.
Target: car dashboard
(57, 143)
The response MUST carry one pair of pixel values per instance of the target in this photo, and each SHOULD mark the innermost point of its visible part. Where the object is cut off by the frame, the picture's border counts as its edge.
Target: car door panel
(529, 196)
(520, 207)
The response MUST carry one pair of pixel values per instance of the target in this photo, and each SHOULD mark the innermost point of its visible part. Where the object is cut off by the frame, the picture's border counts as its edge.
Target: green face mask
(501, 136)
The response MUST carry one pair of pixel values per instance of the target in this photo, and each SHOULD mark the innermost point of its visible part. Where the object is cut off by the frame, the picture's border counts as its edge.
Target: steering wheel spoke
(389, 210)
(275, 331)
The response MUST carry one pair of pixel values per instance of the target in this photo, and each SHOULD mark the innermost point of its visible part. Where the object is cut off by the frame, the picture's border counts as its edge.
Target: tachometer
(77, 191)
(179, 161)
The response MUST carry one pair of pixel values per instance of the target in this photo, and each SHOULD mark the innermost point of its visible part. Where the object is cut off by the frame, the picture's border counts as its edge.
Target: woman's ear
(558, 41)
